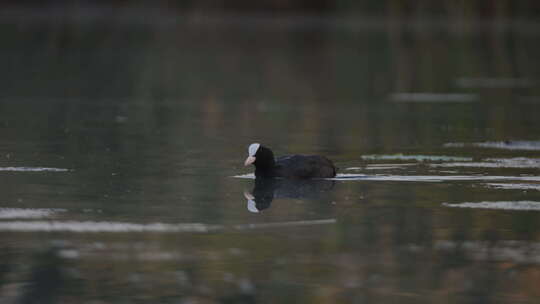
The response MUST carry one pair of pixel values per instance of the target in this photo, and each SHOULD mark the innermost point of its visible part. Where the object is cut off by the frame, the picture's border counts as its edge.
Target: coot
(289, 166)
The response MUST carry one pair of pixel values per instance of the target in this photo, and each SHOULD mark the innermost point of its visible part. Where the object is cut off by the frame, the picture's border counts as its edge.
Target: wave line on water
(420, 158)
(89, 226)
(429, 178)
(529, 145)
(33, 169)
(512, 250)
(122, 227)
(516, 162)
(416, 178)
(247, 175)
(12, 213)
(502, 205)
(381, 167)
(285, 224)
(513, 186)
(486, 82)
(428, 97)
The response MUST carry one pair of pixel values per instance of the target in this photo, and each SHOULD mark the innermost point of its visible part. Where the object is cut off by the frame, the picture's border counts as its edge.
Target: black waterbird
(288, 166)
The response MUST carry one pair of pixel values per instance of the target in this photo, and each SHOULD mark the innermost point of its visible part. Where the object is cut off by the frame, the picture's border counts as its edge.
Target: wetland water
(122, 148)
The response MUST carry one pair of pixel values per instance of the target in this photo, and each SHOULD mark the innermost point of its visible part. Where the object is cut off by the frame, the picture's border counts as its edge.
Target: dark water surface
(120, 143)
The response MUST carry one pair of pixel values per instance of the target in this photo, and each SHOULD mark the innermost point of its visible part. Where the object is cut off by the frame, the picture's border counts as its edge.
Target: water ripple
(506, 145)
(516, 162)
(12, 213)
(429, 178)
(33, 169)
(503, 205)
(513, 186)
(466, 82)
(89, 226)
(417, 178)
(433, 97)
(415, 157)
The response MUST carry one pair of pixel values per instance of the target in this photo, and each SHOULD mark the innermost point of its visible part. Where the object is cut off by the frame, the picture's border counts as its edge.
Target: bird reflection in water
(268, 189)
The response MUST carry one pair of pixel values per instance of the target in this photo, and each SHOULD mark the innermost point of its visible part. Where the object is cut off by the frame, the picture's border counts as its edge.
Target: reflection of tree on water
(266, 190)
(46, 279)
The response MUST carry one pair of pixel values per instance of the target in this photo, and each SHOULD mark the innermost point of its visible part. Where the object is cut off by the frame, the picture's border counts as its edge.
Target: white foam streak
(285, 224)
(33, 169)
(502, 205)
(248, 176)
(430, 178)
(516, 162)
(506, 145)
(417, 178)
(119, 227)
(415, 157)
(381, 167)
(514, 186)
(89, 226)
(13, 213)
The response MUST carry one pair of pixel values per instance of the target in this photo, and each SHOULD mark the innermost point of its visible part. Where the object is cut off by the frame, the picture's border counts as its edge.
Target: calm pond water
(122, 148)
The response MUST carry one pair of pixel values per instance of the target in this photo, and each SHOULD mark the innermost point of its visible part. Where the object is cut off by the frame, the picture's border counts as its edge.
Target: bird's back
(304, 166)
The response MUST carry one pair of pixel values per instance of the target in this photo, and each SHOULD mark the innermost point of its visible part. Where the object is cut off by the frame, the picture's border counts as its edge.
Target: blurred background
(119, 118)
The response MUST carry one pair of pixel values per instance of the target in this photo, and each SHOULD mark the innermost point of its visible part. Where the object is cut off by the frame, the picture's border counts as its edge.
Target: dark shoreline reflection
(266, 190)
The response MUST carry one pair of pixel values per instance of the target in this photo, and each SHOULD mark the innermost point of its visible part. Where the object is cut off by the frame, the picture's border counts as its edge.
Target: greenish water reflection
(152, 123)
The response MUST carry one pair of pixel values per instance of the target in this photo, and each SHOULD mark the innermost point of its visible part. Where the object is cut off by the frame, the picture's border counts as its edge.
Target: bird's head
(259, 156)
